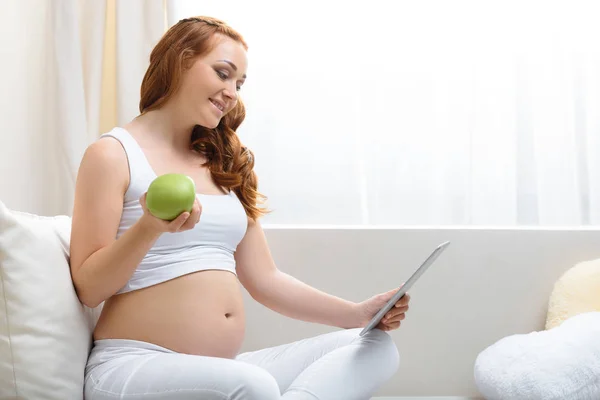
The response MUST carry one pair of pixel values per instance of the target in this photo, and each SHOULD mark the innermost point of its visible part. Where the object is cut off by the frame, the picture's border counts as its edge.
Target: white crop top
(211, 244)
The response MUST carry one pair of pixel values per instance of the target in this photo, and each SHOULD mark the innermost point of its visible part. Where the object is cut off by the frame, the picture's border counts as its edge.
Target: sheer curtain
(421, 113)
(49, 102)
(71, 68)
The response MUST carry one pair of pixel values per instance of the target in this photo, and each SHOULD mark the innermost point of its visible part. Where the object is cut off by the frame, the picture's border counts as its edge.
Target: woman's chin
(211, 123)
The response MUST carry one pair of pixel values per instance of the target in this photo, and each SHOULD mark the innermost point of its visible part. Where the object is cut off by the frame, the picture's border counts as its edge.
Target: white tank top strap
(140, 171)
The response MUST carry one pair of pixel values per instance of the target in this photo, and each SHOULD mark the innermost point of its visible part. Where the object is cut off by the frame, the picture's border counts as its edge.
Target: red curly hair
(230, 163)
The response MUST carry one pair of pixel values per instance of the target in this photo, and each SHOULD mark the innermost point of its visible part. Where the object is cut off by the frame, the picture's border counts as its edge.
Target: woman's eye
(224, 75)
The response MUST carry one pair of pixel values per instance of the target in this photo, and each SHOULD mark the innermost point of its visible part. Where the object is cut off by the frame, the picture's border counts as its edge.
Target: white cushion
(560, 363)
(45, 332)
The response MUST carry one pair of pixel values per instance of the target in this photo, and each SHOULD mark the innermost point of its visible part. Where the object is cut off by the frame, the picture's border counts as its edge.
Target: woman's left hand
(392, 319)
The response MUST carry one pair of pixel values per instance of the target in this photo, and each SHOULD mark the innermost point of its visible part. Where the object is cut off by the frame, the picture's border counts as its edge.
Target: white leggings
(334, 366)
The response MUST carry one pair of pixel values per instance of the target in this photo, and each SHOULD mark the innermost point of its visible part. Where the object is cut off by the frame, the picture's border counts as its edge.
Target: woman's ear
(188, 60)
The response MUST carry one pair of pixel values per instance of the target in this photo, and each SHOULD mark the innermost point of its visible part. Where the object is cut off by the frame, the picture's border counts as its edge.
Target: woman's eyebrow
(232, 66)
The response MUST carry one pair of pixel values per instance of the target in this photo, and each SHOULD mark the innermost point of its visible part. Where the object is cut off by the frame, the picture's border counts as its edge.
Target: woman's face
(210, 87)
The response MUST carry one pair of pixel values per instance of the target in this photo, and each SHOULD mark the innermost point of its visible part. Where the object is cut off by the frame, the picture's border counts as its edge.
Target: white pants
(334, 366)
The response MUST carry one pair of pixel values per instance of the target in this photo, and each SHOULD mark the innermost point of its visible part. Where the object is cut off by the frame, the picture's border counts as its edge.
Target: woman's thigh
(150, 374)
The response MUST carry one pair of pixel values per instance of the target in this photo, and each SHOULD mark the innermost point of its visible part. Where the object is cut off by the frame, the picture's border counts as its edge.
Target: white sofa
(490, 283)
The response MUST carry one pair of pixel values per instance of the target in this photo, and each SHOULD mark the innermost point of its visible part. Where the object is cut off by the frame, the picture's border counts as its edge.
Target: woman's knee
(256, 383)
(383, 348)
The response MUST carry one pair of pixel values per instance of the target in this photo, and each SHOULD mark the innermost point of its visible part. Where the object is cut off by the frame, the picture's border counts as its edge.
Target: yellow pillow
(576, 292)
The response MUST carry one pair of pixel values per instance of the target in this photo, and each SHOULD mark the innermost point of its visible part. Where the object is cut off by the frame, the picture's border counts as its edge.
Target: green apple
(169, 195)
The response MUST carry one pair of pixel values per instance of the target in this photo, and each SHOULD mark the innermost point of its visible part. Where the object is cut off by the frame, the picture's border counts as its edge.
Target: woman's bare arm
(101, 264)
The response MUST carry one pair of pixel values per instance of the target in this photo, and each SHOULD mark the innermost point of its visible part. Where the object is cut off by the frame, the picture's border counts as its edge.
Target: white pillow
(45, 332)
(560, 363)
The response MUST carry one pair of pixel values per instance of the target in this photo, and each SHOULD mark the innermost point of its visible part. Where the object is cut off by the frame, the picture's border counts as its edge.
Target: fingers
(403, 301)
(392, 326)
(178, 222)
(397, 313)
(399, 310)
(196, 212)
(183, 222)
(194, 217)
(394, 318)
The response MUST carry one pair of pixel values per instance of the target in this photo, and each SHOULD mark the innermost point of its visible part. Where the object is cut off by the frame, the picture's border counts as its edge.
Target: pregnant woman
(173, 320)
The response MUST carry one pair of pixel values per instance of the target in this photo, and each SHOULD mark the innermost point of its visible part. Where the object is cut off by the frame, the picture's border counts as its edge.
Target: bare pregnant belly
(201, 313)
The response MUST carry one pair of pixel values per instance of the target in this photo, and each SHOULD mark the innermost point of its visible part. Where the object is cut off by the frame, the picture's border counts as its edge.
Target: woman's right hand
(184, 222)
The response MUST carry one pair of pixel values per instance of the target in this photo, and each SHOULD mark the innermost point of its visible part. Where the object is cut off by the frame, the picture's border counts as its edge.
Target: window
(420, 113)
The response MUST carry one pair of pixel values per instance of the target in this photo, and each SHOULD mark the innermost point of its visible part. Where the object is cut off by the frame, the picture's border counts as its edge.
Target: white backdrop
(378, 113)
(421, 113)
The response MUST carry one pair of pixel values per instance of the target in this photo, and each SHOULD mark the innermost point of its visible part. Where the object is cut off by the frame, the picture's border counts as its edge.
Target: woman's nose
(231, 92)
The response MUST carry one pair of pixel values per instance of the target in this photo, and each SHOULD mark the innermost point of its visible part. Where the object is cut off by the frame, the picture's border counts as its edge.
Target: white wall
(488, 284)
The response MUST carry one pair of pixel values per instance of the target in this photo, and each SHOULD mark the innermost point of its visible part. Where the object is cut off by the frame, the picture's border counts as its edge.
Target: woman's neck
(167, 128)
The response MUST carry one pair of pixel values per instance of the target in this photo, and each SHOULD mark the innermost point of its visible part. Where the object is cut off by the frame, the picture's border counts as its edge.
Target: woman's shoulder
(106, 148)
(105, 156)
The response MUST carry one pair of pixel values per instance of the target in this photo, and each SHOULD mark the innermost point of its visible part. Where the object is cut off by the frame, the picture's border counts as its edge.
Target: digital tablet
(375, 320)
